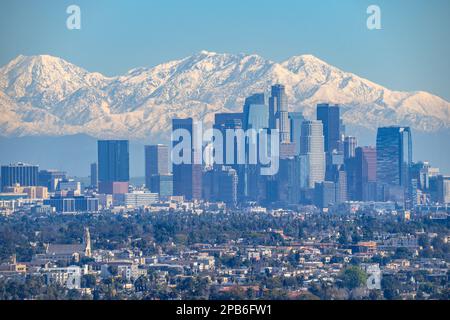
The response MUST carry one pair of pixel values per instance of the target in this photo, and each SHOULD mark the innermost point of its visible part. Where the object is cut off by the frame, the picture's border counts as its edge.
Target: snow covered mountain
(44, 95)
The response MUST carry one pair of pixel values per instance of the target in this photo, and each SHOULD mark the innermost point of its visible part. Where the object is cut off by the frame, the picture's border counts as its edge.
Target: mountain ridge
(46, 95)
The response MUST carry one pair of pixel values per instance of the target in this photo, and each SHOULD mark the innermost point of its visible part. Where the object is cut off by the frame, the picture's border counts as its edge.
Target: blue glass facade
(23, 174)
(113, 161)
(394, 156)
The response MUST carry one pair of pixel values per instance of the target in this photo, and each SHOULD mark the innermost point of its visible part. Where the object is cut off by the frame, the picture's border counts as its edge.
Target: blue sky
(411, 52)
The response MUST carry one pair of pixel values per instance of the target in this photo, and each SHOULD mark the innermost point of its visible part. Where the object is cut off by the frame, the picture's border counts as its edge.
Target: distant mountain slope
(44, 95)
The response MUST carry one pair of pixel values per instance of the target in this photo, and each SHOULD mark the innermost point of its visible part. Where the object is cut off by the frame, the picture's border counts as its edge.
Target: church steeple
(87, 242)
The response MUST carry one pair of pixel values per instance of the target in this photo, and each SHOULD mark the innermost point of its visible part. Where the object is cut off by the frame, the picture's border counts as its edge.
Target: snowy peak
(48, 95)
(44, 79)
(304, 62)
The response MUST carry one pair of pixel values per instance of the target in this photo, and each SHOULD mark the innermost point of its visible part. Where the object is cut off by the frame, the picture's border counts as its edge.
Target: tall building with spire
(279, 113)
(66, 252)
(87, 242)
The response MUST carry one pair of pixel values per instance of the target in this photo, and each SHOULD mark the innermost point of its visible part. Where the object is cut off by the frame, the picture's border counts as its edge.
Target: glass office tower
(113, 166)
(156, 162)
(187, 177)
(394, 159)
(296, 119)
(23, 174)
(330, 117)
(312, 154)
(394, 155)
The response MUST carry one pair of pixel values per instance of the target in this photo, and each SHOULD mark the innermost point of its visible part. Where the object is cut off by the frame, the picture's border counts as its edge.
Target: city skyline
(326, 161)
(224, 156)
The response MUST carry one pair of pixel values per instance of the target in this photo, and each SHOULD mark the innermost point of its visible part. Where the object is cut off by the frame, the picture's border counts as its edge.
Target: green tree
(353, 277)
(391, 288)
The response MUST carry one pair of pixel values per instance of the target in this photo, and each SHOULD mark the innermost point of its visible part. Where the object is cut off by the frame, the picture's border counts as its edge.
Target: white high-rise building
(312, 153)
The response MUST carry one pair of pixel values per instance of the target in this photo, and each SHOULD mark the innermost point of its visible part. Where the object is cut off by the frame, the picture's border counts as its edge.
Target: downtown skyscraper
(256, 117)
(394, 159)
(312, 154)
(295, 122)
(330, 117)
(157, 176)
(113, 166)
(156, 161)
(279, 112)
(394, 155)
(362, 171)
(94, 175)
(187, 177)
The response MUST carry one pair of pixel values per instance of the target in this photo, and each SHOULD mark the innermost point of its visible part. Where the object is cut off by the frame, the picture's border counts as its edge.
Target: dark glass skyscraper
(256, 117)
(94, 175)
(286, 183)
(236, 121)
(330, 117)
(394, 159)
(296, 119)
(325, 194)
(225, 185)
(20, 173)
(394, 156)
(187, 177)
(113, 166)
(365, 173)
